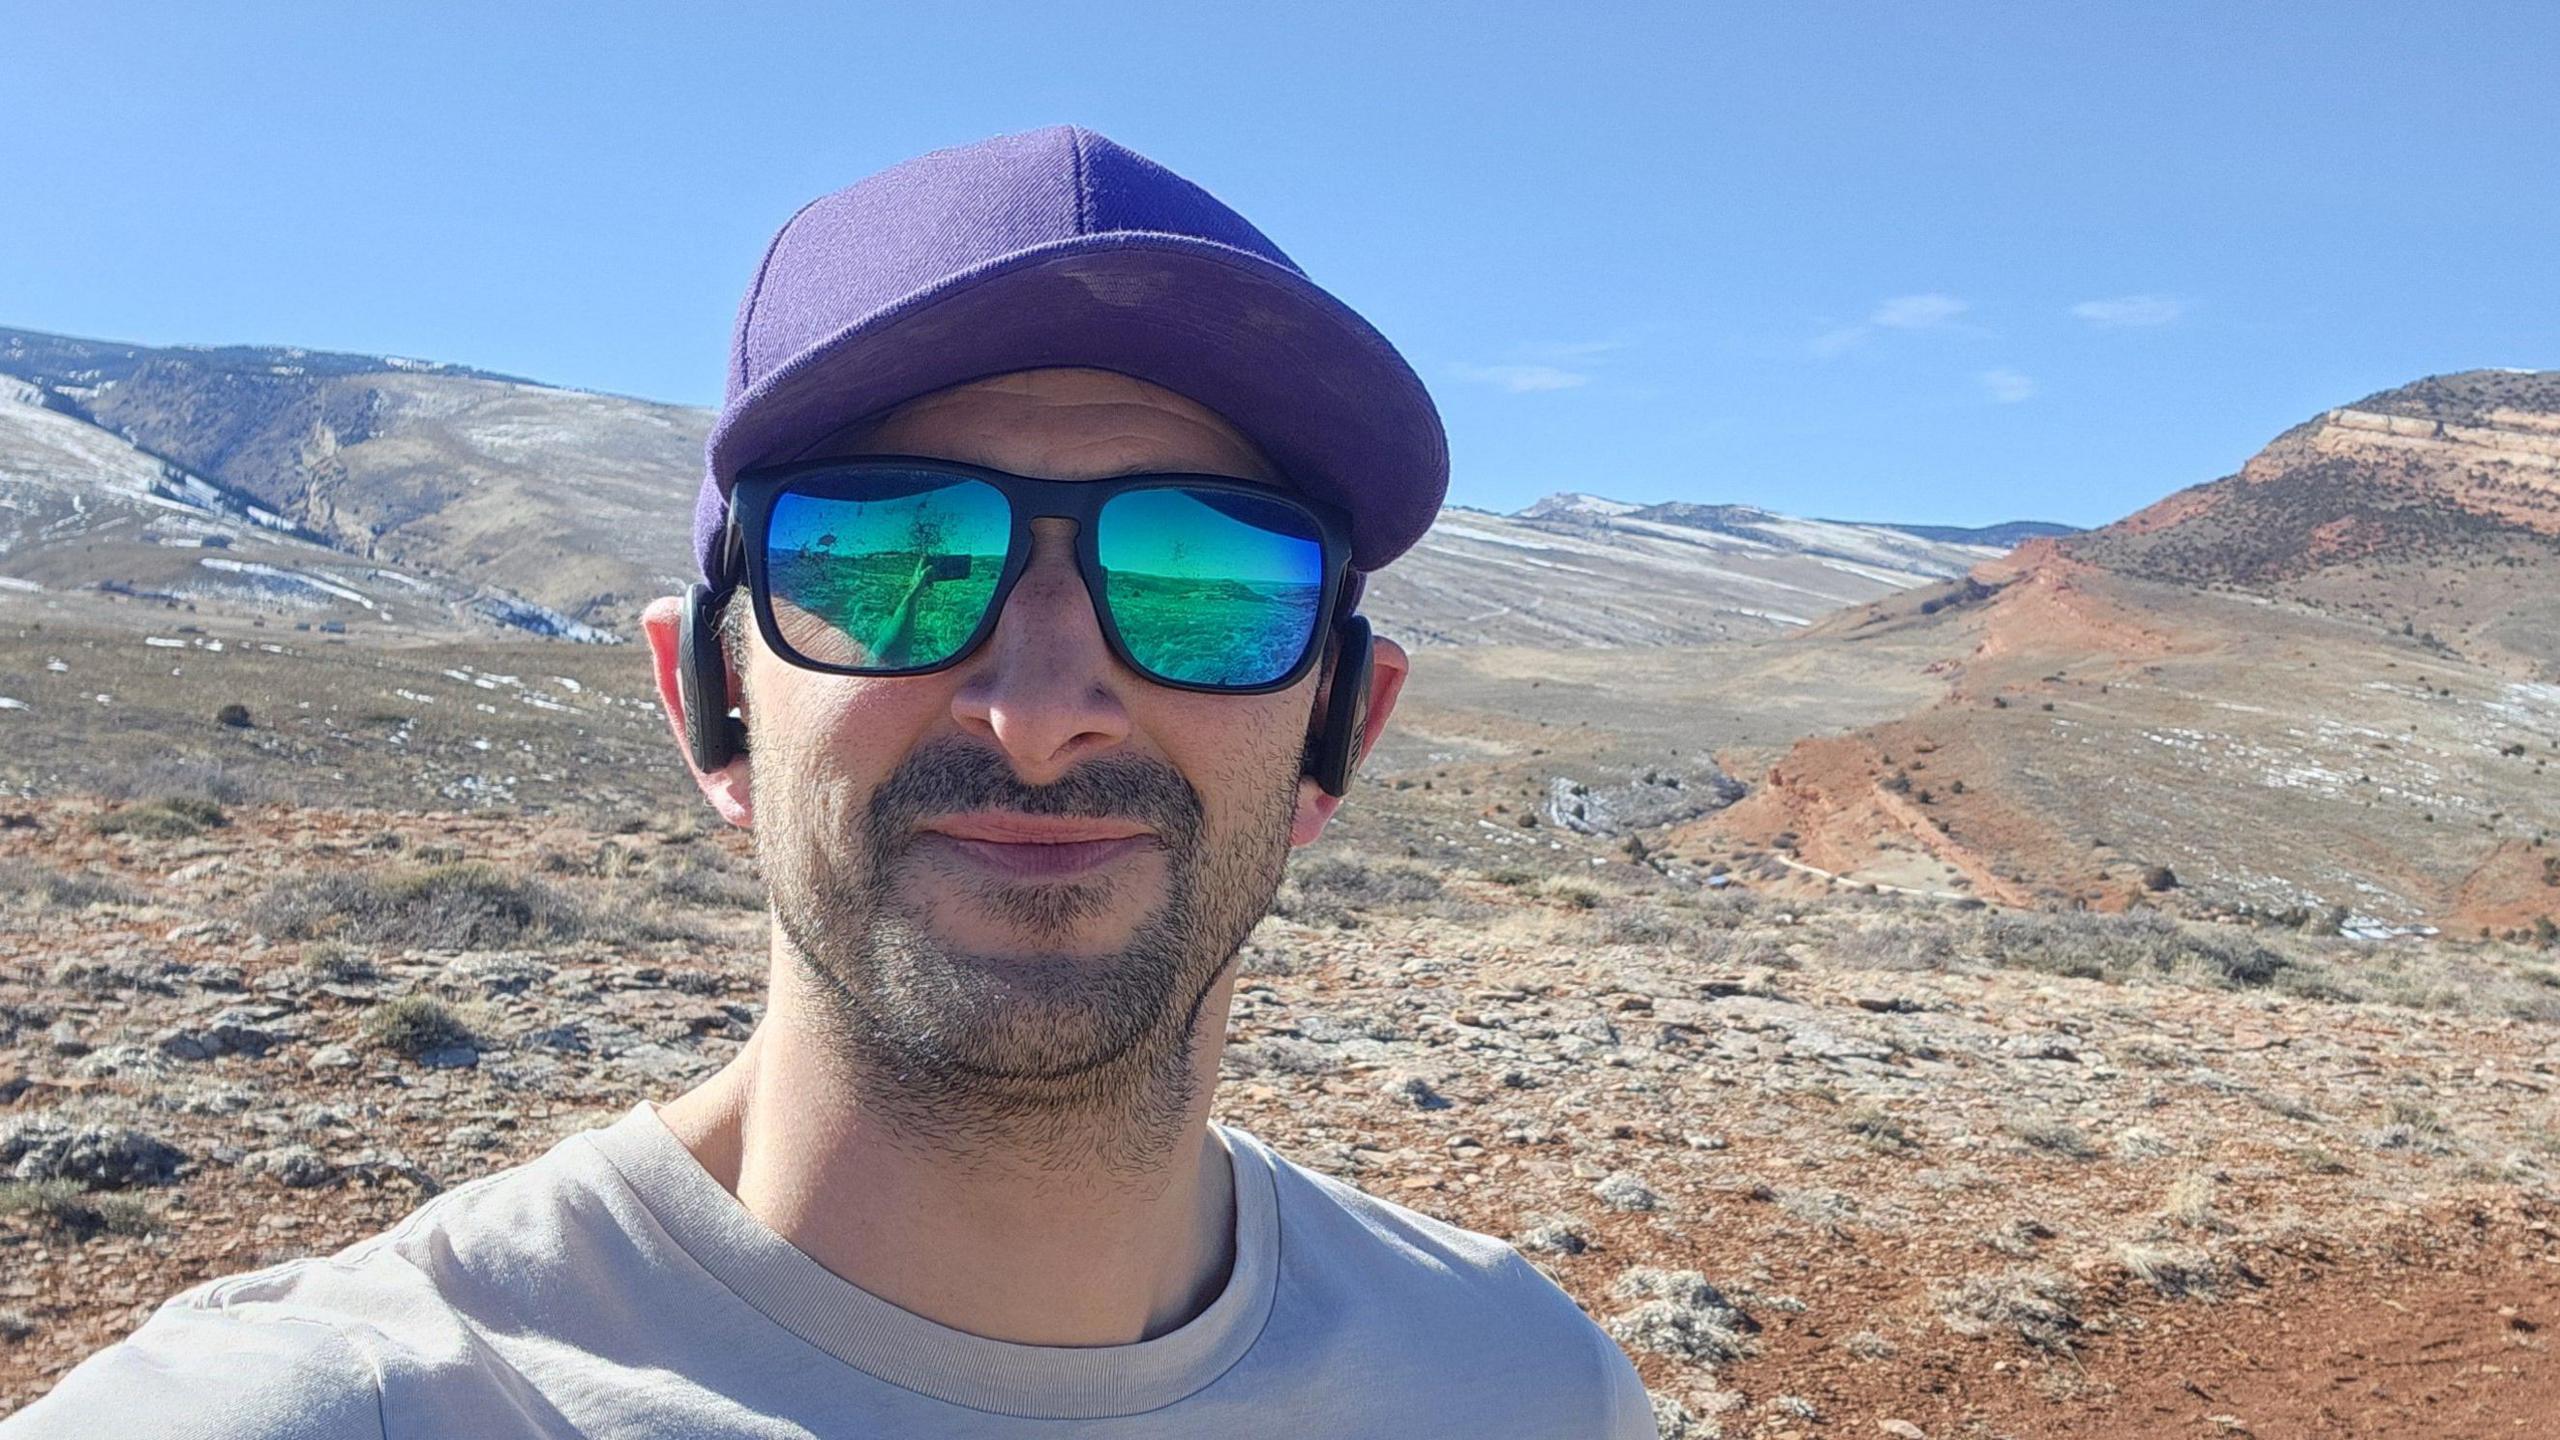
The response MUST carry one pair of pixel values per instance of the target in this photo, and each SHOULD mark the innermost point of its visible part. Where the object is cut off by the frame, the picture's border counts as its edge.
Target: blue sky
(1878, 261)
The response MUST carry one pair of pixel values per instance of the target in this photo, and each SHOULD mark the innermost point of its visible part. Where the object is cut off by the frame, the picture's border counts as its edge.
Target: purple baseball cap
(1059, 247)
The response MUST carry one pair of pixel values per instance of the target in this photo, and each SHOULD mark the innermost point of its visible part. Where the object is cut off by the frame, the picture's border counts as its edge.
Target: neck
(1066, 1242)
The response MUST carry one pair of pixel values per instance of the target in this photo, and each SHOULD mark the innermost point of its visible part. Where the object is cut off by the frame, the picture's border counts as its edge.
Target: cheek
(825, 742)
(1241, 753)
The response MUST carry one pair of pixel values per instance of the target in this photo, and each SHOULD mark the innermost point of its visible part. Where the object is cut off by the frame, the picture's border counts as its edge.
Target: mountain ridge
(577, 504)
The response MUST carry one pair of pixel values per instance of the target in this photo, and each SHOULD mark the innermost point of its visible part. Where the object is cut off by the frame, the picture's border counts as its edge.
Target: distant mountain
(2325, 688)
(2004, 535)
(86, 516)
(1574, 505)
(497, 500)
(1583, 570)
(564, 509)
(78, 368)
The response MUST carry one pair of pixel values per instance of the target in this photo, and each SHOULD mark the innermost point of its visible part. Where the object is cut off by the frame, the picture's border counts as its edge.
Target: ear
(727, 788)
(1388, 667)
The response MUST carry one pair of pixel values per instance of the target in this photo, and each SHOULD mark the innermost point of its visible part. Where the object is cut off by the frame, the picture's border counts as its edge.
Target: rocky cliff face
(2433, 509)
(2327, 686)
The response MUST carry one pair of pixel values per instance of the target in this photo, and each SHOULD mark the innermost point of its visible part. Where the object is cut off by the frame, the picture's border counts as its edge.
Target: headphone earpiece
(1336, 751)
(702, 682)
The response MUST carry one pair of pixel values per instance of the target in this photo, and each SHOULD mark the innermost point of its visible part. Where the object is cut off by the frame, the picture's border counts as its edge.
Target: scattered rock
(1555, 1235)
(1681, 1316)
(296, 1167)
(661, 1063)
(103, 1157)
(1623, 1191)
(1415, 1091)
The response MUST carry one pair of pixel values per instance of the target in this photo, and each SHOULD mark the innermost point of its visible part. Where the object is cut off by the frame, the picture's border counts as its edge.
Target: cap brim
(1297, 371)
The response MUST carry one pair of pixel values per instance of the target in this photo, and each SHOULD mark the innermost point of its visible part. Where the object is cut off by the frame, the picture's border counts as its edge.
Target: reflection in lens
(885, 580)
(1211, 587)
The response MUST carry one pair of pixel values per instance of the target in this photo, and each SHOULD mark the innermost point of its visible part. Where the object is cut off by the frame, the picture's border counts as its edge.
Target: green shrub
(1574, 894)
(171, 817)
(69, 1206)
(71, 891)
(415, 1024)
(690, 878)
(464, 906)
(336, 962)
(1336, 890)
(2053, 1137)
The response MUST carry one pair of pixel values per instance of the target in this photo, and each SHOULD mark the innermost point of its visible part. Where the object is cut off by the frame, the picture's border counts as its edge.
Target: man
(1032, 534)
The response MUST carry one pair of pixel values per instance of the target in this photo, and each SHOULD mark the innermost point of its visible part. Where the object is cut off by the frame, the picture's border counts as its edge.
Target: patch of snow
(280, 576)
(1469, 532)
(523, 614)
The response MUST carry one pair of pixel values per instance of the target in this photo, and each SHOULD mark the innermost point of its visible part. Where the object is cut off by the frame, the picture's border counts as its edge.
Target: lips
(1037, 847)
(1004, 829)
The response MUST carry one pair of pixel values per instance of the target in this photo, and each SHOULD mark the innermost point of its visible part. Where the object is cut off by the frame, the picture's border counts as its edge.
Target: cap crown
(914, 224)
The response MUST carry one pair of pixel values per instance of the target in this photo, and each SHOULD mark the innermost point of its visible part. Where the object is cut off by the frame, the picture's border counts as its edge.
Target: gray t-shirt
(612, 1287)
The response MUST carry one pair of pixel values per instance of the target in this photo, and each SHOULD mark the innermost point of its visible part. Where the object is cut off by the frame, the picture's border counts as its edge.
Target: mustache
(950, 776)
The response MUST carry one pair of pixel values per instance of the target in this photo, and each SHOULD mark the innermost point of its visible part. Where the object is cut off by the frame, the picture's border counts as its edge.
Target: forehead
(1060, 424)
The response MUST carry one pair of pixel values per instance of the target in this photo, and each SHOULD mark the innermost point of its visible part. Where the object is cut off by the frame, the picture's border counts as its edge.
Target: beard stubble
(1041, 1055)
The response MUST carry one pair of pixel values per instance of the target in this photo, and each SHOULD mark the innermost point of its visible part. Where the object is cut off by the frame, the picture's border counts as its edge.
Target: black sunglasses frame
(753, 494)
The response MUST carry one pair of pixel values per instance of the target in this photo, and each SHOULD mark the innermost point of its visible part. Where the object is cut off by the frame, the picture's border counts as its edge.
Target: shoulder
(323, 1347)
(1373, 1266)
(200, 1366)
(1322, 1209)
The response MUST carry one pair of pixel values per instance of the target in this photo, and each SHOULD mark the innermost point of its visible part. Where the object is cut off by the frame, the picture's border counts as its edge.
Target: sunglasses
(895, 565)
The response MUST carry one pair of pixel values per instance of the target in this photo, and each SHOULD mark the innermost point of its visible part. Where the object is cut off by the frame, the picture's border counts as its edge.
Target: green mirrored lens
(1211, 587)
(894, 577)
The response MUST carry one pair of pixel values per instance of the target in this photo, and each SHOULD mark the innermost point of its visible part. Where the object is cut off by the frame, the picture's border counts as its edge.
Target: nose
(1045, 687)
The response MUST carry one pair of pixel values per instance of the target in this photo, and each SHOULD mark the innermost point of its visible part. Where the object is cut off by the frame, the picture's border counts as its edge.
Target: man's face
(1020, 877)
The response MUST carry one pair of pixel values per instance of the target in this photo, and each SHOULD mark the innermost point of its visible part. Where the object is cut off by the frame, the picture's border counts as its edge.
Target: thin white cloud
(1568, 351)
(1930, 311)
(1838, 342)
(1521, 379)
(2007, 387)
(1917, 312)
(2130, 311)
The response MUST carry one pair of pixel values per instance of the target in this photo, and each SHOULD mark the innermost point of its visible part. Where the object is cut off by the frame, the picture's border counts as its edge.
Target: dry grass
(2189, 1203)
(2038, 1306)
(70, 890)
(2176, 1272)
(1877, 1129)
(462, 906)
(75, 1209)
(173, 817)
(416, 1024)
(2054, 1137)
